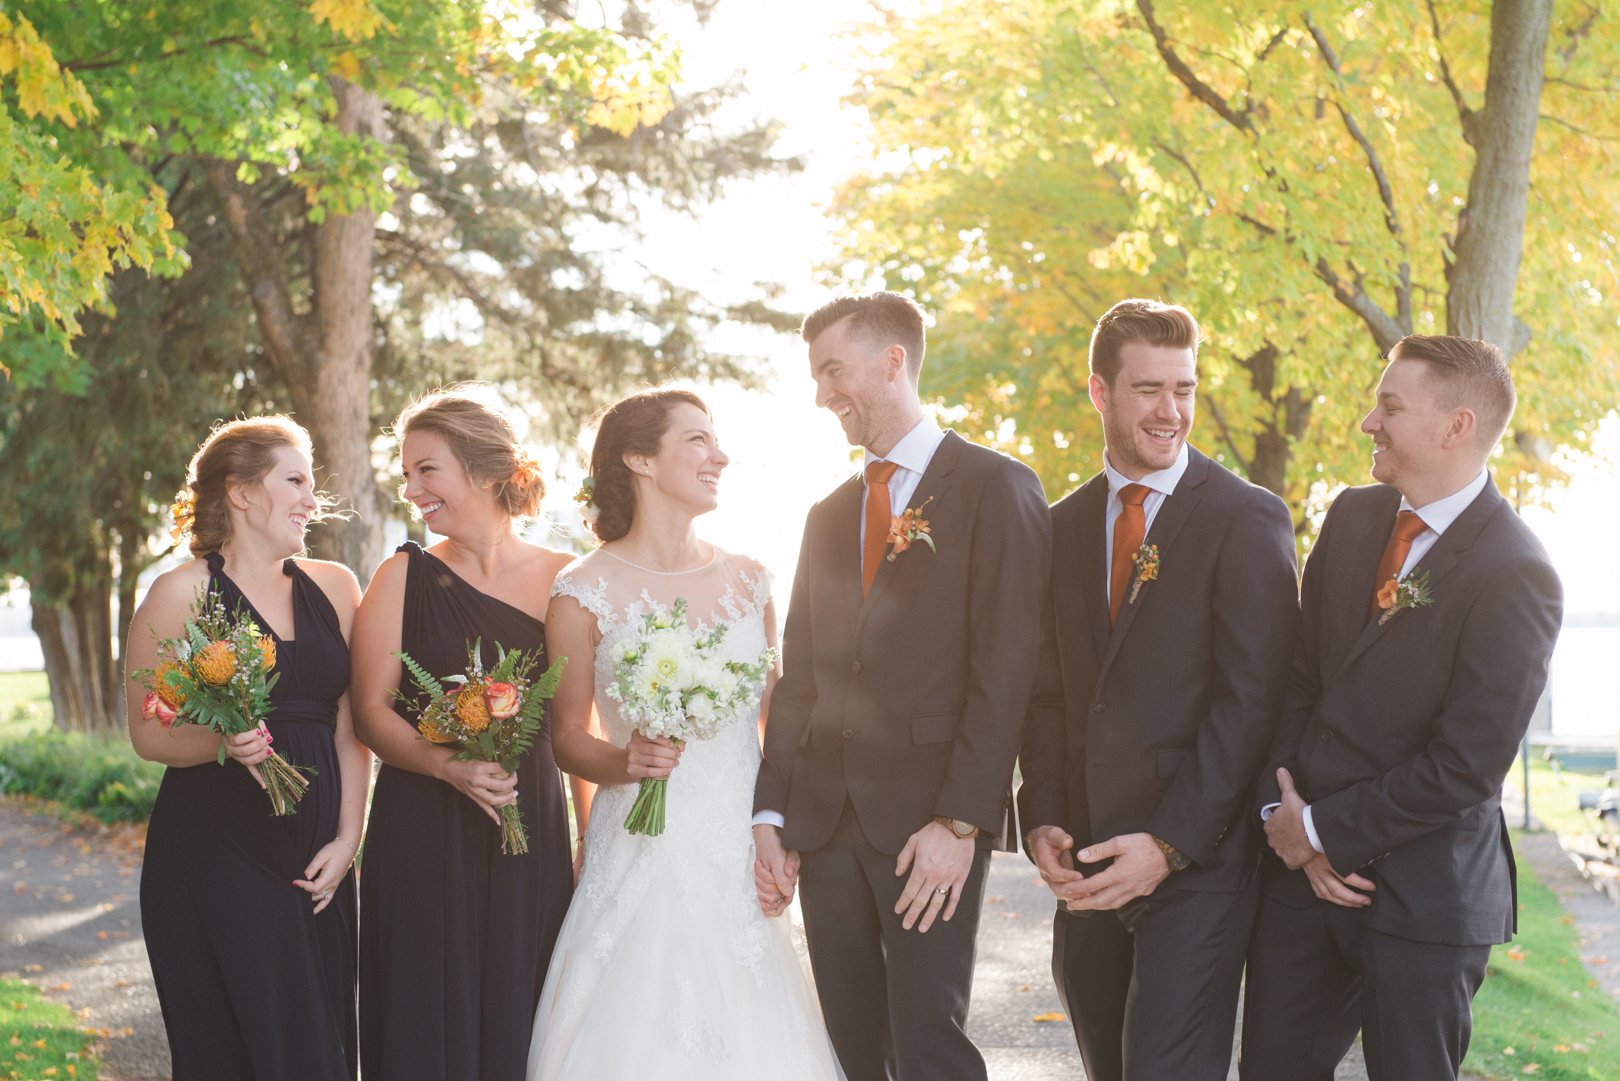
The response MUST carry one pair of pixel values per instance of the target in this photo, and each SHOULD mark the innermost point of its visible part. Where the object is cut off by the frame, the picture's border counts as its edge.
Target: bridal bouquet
(217, 674)
(493, 715)
(672, 681)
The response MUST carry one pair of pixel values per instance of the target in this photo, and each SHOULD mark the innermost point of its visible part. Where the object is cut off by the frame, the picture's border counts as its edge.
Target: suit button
(1327, 736)
(1098, 707)
(856, 668)
(849, 733)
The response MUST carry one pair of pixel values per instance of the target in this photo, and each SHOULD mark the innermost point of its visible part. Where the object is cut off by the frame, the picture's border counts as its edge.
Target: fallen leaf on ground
(1049, 1017)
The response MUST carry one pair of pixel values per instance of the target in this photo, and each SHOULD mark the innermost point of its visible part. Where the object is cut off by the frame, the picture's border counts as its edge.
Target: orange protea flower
(432, 733)
(471, 708)
(214, 663)
(1386, 596)
(172, 696)
(267, 650)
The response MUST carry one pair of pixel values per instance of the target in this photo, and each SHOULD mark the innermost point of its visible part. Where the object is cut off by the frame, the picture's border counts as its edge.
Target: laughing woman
(250, 918)
(457, 934)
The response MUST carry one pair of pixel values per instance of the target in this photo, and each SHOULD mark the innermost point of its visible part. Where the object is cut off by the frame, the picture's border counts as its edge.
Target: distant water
(1585, 701)
(19, 653)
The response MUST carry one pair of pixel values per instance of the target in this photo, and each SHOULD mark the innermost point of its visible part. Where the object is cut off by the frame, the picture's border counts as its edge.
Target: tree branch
(1468, 117)
(1385, 193)
(1226, 433)
(1385, 331)
(1199, 89)
(92, 64)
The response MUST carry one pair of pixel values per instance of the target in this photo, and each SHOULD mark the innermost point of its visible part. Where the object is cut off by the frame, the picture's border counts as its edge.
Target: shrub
(103, 777)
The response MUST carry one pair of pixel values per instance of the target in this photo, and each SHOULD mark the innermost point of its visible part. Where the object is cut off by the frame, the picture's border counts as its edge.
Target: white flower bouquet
(673, 682)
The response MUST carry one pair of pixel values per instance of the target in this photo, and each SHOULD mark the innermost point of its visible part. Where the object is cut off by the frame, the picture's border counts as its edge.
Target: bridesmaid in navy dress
(250, 918)
(457, 935)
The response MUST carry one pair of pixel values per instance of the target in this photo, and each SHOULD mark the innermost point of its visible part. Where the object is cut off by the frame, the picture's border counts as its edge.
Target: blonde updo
(237, 452)
(484, 441)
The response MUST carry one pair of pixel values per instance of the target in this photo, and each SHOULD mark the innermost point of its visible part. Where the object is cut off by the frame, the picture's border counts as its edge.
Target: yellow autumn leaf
(354, 19)
(1049, 1017)
(347, 65)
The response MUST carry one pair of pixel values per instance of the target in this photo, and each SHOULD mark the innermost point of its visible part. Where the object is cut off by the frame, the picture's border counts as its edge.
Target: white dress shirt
(1160, 484)
(911, 455)
(1438, 516)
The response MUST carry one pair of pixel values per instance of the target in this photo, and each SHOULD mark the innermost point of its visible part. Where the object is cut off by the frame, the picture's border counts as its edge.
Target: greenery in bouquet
(493, 716)
(217, 674)
(672, 681)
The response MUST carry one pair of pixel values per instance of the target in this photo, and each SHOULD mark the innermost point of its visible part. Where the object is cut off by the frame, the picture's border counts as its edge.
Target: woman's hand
(485, 783)
(250, 748)
(579, 862)
(326, 870)
(652, 758)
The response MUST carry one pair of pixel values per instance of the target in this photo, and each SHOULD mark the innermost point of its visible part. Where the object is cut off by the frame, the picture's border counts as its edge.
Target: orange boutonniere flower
(1146, 560)
(908, 528)
(1398, 593)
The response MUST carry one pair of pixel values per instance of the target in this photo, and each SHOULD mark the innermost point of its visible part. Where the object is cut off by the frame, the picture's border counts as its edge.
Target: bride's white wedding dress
(665, 967)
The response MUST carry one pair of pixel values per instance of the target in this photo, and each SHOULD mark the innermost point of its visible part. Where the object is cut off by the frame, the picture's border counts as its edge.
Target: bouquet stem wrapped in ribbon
(217, 674)
(674, 682)
(493, 716)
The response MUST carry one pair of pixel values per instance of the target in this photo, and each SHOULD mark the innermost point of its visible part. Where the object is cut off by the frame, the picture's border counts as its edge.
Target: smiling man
(1429, 616)
(1170, 620)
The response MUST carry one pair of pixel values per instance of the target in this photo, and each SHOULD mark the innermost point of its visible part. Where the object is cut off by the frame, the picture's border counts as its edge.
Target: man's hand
(776, 870)
(1285, 829)
(939, 862)
(1139, 866)
(1329, 886)
(1053, 852)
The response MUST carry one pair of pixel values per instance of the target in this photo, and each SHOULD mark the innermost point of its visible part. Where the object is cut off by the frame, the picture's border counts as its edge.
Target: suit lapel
(1093, 560)
(1173, 514)
(844, 543)
(933, 485)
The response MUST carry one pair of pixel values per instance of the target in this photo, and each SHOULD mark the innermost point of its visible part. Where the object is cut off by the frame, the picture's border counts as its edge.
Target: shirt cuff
(1310, 831)
(774, 818)
(1267, 810)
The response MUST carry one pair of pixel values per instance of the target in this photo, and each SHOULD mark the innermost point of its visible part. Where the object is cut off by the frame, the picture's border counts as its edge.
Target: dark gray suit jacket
(1161, 725)
(1399, 734)
(909, 703)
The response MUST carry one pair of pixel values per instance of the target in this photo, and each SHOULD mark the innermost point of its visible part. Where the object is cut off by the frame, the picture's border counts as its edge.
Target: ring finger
(936, 901)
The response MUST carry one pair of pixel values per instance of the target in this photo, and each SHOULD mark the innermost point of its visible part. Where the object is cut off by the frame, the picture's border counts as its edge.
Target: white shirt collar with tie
(1159, 485)
(911, 457)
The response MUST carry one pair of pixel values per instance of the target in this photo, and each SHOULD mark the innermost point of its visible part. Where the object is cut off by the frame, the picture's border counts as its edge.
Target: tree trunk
(1490, 229)
(86, 686)
(324, 356)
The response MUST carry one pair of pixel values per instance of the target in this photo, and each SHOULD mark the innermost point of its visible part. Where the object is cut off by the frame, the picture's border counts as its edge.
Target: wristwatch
(964, 830)
(1172, 854)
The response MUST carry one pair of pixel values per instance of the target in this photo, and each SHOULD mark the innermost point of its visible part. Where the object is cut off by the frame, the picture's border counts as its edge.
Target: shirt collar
(915, 449)
(1439, 515)
(1164, 481)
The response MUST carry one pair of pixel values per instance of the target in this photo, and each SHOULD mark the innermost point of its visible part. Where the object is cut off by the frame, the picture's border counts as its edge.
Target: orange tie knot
(1408, 526)
(1134, 495)
(880, 472)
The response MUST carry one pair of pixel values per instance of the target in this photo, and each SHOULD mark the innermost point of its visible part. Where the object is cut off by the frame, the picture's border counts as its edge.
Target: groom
(910, 648)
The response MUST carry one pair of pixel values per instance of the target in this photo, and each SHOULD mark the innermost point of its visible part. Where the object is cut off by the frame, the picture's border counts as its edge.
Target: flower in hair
(184, 512)
(527, 471)
(586, 498)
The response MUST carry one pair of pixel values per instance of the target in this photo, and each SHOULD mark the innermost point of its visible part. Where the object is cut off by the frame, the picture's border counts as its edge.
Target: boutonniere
(908, 528)
(1147, 567)
(1401, 593)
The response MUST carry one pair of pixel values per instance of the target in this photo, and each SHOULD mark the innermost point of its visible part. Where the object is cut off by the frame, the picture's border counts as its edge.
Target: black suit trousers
(1318, 974)
(1152, 988)
(895, 1001)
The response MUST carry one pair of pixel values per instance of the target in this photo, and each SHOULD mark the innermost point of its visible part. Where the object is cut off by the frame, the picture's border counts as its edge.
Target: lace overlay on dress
(668, 927)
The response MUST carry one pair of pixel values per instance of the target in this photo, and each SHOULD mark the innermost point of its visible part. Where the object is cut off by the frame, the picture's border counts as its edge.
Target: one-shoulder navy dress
(252, 983)
(456, 935)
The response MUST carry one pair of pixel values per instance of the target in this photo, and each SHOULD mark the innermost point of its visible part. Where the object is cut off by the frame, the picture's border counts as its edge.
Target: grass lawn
(1539, 1013)
(25, 704)
(39, 1038)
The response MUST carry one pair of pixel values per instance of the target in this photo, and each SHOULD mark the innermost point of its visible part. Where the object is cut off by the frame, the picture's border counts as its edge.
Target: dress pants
(1318, 974)
(1152, 988)
(895, 1001)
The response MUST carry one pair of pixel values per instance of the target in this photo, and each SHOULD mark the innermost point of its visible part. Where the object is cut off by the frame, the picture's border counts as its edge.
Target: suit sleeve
(1042, 797)
(1008, 569)
(1256, 624)
(794, 696)
(1499, 672)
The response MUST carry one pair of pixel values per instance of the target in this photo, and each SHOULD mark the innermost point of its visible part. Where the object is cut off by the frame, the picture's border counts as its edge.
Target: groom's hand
(1139, 866)
(939, 862)
(1053, 852)
(776, 870)
(1285, 829)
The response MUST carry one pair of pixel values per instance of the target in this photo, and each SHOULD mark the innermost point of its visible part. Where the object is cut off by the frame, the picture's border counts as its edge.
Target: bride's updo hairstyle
(238, 452)
(633, 425)
(484, 441)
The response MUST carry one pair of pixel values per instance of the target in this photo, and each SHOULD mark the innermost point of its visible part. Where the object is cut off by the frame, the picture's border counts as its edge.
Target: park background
(216, 207)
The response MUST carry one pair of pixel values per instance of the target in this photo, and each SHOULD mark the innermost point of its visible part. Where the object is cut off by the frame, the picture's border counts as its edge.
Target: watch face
(963, 829)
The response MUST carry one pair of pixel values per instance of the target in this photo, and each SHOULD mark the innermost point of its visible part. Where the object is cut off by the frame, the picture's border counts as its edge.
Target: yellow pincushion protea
(471, 708)
(172, 696)
(432, 734)
(214, 663)
(267, 649)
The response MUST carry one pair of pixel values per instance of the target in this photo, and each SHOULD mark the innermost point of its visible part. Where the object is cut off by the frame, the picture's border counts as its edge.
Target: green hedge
(102, 777)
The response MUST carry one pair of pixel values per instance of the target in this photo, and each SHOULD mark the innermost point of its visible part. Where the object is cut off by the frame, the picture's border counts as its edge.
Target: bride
(665, 966)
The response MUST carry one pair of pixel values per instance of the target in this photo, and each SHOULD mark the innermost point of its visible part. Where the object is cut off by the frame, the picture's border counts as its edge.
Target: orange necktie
(878, 513)
(1129, 529)
(1408, 527)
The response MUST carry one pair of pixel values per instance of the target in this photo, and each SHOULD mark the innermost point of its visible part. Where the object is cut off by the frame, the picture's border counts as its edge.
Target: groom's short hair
(1150, 322)
(881, 319)
(1466, 372)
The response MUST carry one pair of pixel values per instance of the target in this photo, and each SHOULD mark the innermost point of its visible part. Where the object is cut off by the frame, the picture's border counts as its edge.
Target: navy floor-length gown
(456, 936)
(253, 984)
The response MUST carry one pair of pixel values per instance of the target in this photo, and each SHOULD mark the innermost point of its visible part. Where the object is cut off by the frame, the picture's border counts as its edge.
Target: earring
(486, 487)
